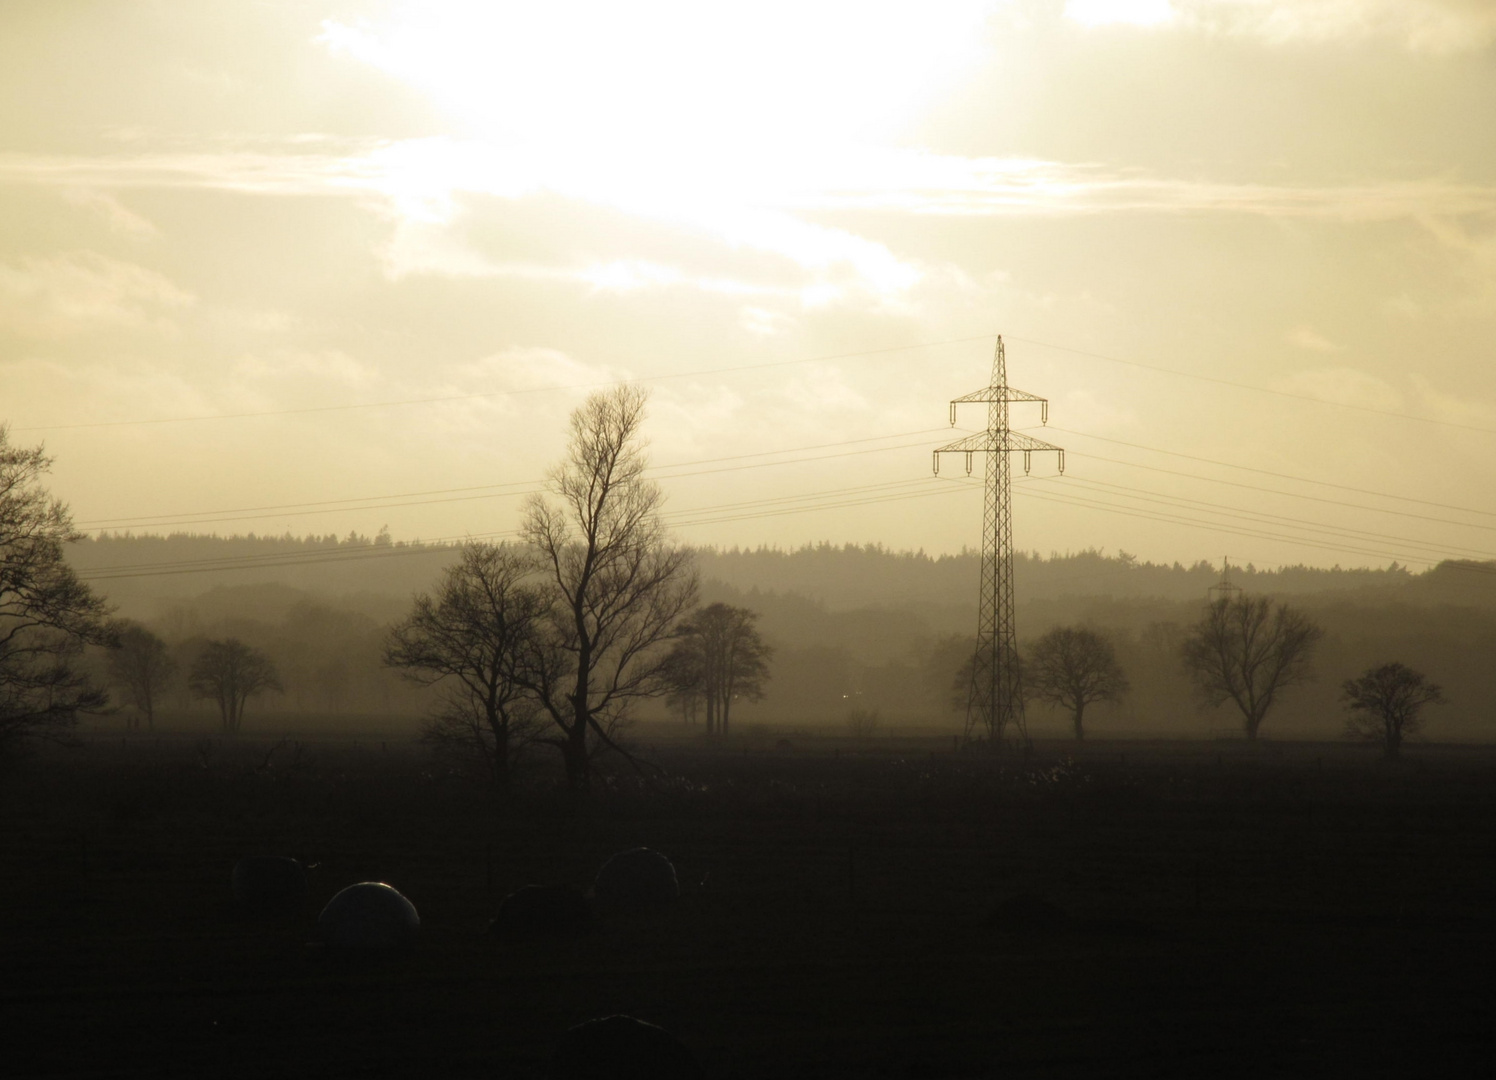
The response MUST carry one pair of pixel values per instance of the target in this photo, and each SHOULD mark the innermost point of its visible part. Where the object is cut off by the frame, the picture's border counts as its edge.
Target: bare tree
(230, 673)
(719, 656)
(620, 585)
(685, 674)
(1073, 667)
(470, 639)
(142, 666)
(1385, 703)
(47, 614)
(1247, 651)
(862, 723)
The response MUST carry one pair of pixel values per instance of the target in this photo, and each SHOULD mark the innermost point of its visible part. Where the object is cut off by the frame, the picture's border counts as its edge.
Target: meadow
(1288, 909)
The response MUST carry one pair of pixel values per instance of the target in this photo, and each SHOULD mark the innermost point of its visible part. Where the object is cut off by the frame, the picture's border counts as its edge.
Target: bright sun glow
(610, 76)
(1108, 12)
(707, 114)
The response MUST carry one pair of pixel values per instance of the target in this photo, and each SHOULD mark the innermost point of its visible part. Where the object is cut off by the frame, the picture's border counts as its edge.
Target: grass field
(1283, 910)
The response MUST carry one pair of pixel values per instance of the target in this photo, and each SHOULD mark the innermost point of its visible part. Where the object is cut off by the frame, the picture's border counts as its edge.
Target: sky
(343, 266)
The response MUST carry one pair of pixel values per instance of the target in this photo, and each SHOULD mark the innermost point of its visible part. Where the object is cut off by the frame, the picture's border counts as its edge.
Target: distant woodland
(852, 628)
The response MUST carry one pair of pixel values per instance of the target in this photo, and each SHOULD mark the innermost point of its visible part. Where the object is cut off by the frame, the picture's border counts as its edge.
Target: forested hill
(852, 576)
(139, 572)
(142, 574)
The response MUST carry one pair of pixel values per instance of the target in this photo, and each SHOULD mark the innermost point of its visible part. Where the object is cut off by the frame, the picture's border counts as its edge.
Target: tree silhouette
(230, 673)
(142, 666)
(1385, 703)
(1072, 667)
(471, 638)
(619, 585)
(47, 614)
(718, 658)
(1246, 651)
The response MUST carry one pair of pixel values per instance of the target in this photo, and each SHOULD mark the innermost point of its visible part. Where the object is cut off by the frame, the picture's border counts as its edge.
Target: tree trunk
(500, 761)
(578, 770)
(574, 753)
(1080, 731)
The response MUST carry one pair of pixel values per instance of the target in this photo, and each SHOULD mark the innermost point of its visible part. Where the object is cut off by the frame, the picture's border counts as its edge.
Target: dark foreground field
(1277, 911)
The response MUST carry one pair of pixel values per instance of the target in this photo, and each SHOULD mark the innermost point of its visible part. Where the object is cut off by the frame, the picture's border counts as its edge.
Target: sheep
(621, 1048)
(635, 880)
(369, 916)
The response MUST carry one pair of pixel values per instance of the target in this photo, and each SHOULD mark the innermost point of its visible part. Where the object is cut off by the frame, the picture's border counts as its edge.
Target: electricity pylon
(1223, 589)
(995, 699)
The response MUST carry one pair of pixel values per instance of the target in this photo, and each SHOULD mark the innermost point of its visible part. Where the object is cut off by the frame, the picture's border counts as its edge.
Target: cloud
(1306, 338)
(456, 207)
(419, 180)
(522, 369)
(919, 183)
(1125, 12)
(763, 321)
(307, 370)
(1344, 386)
(42, 391)
(1432, 26)
(85, 291)
(118, 217)
(1455, 407)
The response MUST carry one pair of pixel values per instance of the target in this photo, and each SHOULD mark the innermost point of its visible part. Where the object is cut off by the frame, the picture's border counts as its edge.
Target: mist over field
(850, 626)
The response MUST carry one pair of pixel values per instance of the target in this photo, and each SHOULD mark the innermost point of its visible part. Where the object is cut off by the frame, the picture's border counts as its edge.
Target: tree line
(1245, 651)
(606, 621)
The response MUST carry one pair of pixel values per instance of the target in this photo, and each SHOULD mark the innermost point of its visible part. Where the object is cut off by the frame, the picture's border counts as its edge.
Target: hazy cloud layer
(1435, 26)
(83, 292)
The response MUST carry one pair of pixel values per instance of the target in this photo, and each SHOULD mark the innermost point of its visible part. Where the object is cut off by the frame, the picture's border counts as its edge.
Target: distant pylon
(994, 702)
(1223, 589)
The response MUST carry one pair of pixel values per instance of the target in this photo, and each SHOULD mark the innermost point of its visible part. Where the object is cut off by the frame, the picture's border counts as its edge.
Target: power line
(1292, 494)
(841, 497)
(837, 505)
(1278, 475)
(1216, 527)
(503, 393)
(763, 508)
(1258, 389)
(1236, 512)
(210, 517)
(865, 495)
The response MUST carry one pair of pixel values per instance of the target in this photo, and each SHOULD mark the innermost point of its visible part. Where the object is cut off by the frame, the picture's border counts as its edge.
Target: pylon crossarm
(992, 394)
(985, 441)
(997, 393)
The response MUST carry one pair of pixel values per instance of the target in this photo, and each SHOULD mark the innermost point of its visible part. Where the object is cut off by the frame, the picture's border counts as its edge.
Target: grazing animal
(621, 1048)
(265, 884)
(635, 880)
(369, 916)
(543, 911)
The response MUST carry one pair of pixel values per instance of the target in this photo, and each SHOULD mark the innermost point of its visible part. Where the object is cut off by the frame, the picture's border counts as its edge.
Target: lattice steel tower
(994, 702)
